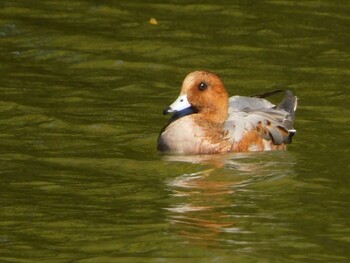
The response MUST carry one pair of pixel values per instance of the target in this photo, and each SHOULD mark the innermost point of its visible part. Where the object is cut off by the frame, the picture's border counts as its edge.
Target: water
(83, 84)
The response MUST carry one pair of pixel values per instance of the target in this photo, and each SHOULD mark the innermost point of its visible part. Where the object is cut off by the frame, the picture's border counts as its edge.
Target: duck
(206, 121)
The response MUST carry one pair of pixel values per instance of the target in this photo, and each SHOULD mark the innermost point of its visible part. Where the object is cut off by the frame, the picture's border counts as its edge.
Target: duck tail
(289, 104)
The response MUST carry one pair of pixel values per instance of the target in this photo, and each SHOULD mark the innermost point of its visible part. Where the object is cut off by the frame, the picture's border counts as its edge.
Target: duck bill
(180, 104)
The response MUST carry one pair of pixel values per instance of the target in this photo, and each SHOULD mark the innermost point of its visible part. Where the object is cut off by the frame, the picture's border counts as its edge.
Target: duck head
(202, 93)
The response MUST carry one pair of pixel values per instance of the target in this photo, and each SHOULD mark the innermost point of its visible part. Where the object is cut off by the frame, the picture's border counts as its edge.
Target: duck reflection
(203, 202)
(199, 213)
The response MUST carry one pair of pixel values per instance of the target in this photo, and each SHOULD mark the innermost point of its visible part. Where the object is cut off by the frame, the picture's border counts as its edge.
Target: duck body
(206, 121)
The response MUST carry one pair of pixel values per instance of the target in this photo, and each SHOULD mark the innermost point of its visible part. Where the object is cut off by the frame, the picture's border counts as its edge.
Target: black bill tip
(167, 111)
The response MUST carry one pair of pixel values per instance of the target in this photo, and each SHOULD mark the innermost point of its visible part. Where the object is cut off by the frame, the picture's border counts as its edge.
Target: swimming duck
(206, 121)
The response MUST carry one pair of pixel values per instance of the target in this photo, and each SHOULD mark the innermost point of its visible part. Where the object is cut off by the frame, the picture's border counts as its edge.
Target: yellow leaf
(153, 21)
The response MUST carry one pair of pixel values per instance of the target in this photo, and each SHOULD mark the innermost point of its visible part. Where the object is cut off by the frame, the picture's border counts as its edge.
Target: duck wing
(273, 122)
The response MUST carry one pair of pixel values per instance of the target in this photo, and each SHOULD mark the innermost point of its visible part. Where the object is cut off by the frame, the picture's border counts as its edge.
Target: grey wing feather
(247, 113)
(241, 103)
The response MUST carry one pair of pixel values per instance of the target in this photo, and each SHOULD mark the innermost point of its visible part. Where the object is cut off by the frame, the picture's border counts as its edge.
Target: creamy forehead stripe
(188, 82)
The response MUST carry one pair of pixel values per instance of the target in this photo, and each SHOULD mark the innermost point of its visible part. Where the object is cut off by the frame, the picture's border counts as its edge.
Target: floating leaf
(153, 21)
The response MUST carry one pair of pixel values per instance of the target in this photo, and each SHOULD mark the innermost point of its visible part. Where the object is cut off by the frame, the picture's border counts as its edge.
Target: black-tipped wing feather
(255, 113)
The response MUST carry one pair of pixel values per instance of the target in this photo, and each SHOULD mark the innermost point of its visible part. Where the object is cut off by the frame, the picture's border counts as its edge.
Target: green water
(82, 88)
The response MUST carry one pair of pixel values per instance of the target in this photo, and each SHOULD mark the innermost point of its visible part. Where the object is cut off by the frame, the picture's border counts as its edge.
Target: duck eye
(202, 86)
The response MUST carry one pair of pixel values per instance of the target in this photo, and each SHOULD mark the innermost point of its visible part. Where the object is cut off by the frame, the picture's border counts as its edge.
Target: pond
(83, 87)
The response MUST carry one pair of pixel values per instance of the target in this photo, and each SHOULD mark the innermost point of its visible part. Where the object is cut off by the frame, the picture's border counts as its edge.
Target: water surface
(82, 89)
